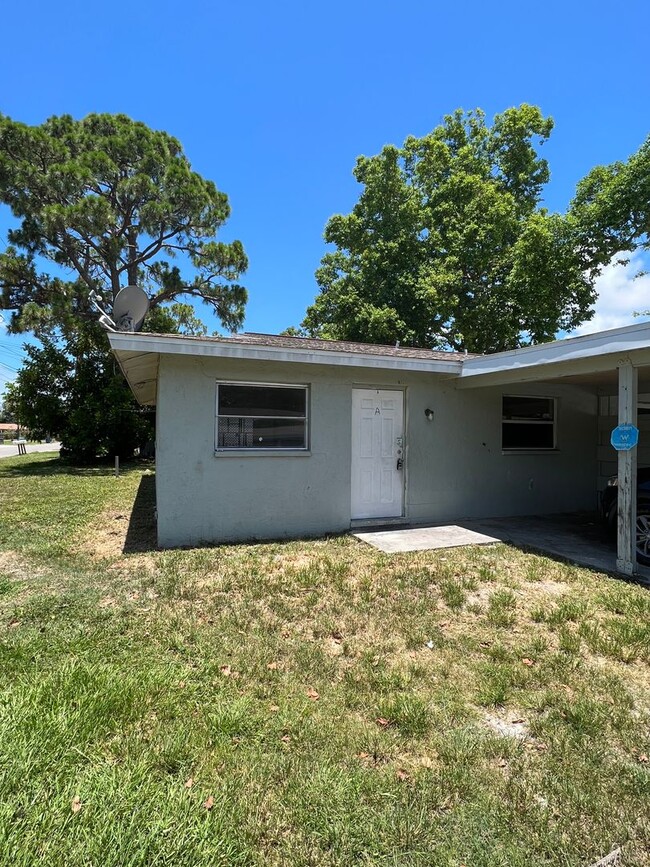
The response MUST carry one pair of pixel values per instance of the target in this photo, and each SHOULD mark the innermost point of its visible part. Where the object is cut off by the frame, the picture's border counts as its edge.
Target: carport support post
(627, 414)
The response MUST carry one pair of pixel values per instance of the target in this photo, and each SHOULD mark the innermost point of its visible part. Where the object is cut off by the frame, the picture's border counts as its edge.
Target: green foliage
(103, 202)
(612, 208)
(37, 397)
(75, 391)
(448, 244)
(7, 415)
(175, 318)
(71, 387)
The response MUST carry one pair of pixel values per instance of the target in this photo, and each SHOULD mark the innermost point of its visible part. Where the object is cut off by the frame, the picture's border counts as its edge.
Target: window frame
(256, 450)
(530, 421)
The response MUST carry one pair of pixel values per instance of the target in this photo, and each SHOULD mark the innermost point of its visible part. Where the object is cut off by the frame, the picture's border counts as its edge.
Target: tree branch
(155, 247)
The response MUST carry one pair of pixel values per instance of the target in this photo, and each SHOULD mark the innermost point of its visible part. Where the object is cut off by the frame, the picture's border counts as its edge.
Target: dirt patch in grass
(22, 580)
(508, 725)
(23, 576)
(547, 588)
(104, 539)
(481, 596)
(125, 529)
(18, 567)
(284, 562)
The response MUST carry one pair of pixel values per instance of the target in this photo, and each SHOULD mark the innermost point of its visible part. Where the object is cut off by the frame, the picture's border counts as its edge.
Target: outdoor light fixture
(429, 414)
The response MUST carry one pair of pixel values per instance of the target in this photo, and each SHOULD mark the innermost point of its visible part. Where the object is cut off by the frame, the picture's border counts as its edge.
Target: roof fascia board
(129, 342)
(558, 370)
(619, 341)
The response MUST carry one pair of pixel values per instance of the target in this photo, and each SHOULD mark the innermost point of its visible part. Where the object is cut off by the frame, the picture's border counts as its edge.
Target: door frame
(365, 386)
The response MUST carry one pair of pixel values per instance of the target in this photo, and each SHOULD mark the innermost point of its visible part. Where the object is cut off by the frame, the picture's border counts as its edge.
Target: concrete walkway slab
(578, 537)
(424, 538)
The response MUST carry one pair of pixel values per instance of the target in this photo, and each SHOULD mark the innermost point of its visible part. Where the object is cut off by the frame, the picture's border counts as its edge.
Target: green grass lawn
(306, 703)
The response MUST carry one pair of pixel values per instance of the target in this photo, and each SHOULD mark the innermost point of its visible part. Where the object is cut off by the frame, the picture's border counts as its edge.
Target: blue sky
(274, 101)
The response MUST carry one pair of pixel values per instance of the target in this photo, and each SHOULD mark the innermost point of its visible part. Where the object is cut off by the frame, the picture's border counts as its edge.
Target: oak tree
(449, 246)
(611, 208)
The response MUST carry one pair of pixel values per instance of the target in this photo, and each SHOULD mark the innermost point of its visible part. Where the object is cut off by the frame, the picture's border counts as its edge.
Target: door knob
(400, 463)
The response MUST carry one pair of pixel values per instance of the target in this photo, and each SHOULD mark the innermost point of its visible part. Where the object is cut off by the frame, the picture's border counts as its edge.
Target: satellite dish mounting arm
(104, 318)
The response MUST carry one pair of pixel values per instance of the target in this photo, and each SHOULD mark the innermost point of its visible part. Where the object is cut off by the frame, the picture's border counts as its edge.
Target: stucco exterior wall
(607, 421)
(455, 467)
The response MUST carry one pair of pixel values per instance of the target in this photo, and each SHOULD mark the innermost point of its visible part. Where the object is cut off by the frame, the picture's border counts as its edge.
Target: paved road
(11, 451)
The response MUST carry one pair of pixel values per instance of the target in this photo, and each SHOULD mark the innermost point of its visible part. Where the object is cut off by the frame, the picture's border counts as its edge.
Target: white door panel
(377, 448)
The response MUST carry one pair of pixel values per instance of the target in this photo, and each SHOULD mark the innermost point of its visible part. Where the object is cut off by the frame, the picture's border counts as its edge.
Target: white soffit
(141, 372)
(574, 355)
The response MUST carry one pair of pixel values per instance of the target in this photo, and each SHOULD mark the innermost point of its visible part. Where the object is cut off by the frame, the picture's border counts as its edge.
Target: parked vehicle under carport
(609, 511)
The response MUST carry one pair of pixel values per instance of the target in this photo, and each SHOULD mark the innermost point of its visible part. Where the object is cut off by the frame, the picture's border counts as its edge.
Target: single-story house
(7, 428)
(292, 437)
(11, 430)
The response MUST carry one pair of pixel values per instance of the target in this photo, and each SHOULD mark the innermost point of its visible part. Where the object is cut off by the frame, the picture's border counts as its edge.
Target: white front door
(377, 453)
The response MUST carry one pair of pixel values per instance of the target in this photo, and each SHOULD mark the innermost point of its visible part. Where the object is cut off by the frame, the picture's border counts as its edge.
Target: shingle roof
(317, 345)
(287, 342)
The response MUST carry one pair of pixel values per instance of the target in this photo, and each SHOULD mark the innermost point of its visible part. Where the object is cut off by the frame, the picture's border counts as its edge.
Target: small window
(252, 416)
(528, 422)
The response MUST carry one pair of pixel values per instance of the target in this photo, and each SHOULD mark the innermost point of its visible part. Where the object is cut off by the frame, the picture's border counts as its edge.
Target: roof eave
(141, 372)
(177, 345)
(595, 352)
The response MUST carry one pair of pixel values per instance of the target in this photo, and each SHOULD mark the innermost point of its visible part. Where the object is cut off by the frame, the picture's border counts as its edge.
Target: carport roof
(585, 356)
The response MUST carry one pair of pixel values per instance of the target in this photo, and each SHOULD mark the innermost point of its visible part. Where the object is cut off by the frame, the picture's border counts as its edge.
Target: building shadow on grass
(141, 532)
(56, 466)
(52, 466)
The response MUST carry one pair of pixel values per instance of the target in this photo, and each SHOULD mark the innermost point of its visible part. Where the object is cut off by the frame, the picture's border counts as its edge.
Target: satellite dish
(129, 308)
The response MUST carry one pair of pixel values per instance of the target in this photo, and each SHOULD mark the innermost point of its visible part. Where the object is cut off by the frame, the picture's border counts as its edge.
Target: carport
(615, 367)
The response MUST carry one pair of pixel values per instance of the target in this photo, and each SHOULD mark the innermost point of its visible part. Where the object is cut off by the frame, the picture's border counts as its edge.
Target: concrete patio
(578, 538)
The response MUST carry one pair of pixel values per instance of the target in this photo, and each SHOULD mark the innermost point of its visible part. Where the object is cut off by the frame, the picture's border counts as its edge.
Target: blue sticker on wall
(624, 437)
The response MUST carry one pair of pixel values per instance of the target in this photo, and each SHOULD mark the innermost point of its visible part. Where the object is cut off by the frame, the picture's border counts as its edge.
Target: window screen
(261, 416)
(528, 422)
